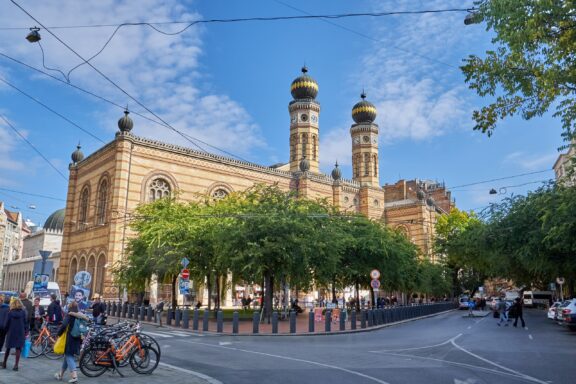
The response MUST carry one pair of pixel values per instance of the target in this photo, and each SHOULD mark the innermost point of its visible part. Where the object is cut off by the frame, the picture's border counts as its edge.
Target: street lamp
(34, 36)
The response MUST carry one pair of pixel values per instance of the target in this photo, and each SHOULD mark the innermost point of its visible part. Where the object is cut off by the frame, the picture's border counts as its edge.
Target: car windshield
(45, 294)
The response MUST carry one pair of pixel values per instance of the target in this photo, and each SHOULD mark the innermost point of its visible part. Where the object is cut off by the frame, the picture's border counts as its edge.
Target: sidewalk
(41, 370)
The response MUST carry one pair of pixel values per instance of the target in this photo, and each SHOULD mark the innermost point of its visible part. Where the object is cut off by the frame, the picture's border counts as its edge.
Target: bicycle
(43, 342)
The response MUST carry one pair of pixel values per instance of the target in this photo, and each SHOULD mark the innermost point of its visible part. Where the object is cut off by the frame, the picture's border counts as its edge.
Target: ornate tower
(364, 143)
(304, 116)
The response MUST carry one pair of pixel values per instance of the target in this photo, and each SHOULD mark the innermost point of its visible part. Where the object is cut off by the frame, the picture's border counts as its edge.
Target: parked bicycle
(43, 342)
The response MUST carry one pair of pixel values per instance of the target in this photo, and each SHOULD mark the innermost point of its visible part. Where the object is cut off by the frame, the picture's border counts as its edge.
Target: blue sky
(229, 85)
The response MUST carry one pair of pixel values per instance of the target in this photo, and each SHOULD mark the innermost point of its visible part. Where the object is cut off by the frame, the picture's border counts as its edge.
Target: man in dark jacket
(54, 311)
(98, 310)
(4, 308)
(28, 307)
(518, 312)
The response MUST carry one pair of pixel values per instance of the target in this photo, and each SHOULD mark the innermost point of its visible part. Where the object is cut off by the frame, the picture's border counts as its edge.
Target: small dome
(55, 222)
(336, 173)
(304, 87)
(364, 111)
(420, 194)
(125, 123)
(304, 164)
(430, 201)
(77, 155)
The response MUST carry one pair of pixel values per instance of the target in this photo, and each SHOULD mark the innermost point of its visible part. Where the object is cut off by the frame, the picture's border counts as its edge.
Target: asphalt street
(448, 348)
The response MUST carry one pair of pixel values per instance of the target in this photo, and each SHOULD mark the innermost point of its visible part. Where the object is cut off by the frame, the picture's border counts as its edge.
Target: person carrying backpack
(70, 326)
(54, 311)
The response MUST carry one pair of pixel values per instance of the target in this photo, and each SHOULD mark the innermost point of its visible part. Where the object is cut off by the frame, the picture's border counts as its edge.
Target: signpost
(375, 274)
(375, 284)
(560, 281)
(185, 274)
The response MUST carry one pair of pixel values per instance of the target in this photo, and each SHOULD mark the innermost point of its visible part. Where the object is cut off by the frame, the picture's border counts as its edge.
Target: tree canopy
(532, 65)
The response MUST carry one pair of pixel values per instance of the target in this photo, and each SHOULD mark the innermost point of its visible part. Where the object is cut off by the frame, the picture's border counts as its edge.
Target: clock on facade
(374, 140)
(294, 118)
(304, 117)
(357, 140)
(366, 139)
(314, 118)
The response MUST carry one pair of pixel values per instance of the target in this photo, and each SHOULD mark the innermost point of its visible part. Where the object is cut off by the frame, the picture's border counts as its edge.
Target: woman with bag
(16, 328)
(72, 345)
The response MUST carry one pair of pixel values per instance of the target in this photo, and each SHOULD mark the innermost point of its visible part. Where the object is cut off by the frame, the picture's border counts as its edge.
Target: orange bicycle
(105, 353)
(43, 342)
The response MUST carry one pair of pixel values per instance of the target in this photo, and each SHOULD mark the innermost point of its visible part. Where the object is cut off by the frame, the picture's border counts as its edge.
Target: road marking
(209, 379)
(520, 374)
(469, 327)
(180, 333)
(157, 334)
(530, 337)
(224, 343)
(291, 359)
(416, 348)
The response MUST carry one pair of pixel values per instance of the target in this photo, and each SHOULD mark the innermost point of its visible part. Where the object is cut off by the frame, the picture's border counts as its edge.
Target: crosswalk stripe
(179, 333)
(158, 334)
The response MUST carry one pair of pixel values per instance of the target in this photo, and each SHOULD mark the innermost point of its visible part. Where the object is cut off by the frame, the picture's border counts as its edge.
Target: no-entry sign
(185, 274)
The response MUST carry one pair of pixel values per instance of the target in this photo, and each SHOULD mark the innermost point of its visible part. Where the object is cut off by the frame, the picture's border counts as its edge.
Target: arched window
(304, 143)
(375, 166)
(158, 189)
(91, 270)
(100, 272)
(73, 269)
(219, 193)
(314, 144)
(81, 264)
(102, 202)
(366, 164)
(83, 214)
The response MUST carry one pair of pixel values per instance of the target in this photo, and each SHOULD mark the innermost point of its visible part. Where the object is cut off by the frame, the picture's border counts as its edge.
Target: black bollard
(292, 321)
(205, 320)
(343, 320)
(169, 317)
(142, 312)
(363, 318)
(219, 321)
(370, 318)
(311, 321)
(328, 322)
(108, 308)
(128, 312)
(186, 318)
(274, 322)
(255, 322)
(195, 320)
(149, 314)
(135, 312)
(235, 318)
(177, 317)
(353, 319)
(113, 309)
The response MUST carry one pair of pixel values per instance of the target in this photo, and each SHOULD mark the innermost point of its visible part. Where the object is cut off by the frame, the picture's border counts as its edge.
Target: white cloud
(532, 162)
(406, 73)
(162, 72)
(335, 146)
(7, 148)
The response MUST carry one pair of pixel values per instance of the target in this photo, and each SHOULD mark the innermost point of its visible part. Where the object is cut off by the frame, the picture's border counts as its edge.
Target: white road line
(180, 333)
(292, 359)
(157, 334)
(520, 374)
(209, 379)
(416, 348)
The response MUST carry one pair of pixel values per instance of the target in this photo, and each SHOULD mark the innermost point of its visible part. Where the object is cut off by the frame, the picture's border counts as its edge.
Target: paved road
(448, 348)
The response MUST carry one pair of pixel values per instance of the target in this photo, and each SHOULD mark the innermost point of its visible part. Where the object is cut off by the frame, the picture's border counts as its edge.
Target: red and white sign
(375, 284)
(375, 274)
(185, 274)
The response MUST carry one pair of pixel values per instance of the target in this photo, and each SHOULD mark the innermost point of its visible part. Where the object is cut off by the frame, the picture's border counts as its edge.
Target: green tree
(533, 64)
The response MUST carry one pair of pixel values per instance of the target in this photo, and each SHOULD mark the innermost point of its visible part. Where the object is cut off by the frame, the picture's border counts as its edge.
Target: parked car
(463, 302)
(569, 315)
(552, 310)
(559, 309)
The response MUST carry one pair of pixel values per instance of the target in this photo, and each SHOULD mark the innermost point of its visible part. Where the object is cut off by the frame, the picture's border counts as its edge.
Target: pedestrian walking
(72, 346)
(54, 310)
(518, 311)
(503, 312)
(16, 328)
(4, 308)
(28, 307)
(159, 310)
(98, 310)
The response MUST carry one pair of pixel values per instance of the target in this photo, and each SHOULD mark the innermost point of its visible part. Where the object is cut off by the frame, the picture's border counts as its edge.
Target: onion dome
(304, 164)
(55, 222)
(364, 111)
(304, 87)
(336, 172)
(430, 201)
(420, 194)
(125, 123)
(77, 155)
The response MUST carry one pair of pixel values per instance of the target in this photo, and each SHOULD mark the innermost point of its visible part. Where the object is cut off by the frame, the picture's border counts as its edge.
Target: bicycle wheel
(38, 346)
(144, 360)
(49, 350)
(87, 362)
(150, 341)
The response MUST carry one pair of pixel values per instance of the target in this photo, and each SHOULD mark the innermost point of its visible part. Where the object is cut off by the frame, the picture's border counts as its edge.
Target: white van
(44, 295)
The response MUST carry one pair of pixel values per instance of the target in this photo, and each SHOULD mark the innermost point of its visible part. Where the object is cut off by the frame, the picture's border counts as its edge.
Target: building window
(219, 193)
(314, 144)
(158, 189)
(102, 201)
(83, 215)
(375, 166)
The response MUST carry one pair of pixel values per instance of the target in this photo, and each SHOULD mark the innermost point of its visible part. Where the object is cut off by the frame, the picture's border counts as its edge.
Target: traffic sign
(375, 274)
(560, 280)
(185, 274)
(375, 284)
(184, 262)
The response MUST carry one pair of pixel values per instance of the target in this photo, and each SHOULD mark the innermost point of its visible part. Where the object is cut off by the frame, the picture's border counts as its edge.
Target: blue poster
(184, 285)
(40, 282)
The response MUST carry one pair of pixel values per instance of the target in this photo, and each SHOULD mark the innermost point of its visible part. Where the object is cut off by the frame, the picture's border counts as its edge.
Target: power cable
(33, 147)
(498, 179)
(32, 194)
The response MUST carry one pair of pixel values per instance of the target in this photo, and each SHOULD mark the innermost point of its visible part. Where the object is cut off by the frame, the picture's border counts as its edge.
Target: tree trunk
(174, 280)
(217, 289)
(334, 290)
(209, 288)
(357, 287)
(268, 295)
